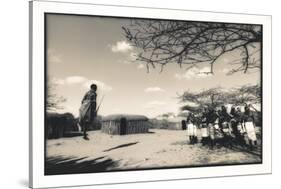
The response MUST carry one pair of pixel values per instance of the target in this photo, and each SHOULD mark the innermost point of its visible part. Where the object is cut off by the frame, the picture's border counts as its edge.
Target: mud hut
(122, 124)
(176, 123)
(58, 125)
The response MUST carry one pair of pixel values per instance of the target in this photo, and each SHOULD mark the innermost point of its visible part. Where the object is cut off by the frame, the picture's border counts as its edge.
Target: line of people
(221, 126)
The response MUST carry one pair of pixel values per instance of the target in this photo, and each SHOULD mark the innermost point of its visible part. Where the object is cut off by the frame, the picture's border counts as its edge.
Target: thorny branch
(192, 43)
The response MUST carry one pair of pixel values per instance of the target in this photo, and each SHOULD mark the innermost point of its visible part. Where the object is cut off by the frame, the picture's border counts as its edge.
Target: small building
(58, 125)
(177, 123)
(122, 124)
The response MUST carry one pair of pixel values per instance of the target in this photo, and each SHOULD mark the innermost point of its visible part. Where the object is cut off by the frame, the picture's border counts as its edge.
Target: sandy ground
(160, 148)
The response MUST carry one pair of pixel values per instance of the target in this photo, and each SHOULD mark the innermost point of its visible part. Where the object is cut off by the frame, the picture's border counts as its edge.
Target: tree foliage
(245, 95)
(192, 43)
(215, 97)
(53, 101)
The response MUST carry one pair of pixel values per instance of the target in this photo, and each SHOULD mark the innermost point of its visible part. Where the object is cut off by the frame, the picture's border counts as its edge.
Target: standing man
(249, 120)
(234, 123)
(87, 111)
(238, 117)
(204, 127)
(183, 125)
(226, 129)
(240, 126)
(191, 128)
(211, 119)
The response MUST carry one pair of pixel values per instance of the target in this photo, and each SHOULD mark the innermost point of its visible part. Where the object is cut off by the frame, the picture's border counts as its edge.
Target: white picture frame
(37, 179)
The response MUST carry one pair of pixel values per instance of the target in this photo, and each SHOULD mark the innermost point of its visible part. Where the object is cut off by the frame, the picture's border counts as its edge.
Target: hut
(177, 123)
(122, 124)
(171, 123)
(58, 125)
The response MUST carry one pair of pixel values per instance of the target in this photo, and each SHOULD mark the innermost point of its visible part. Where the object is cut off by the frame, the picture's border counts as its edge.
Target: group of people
(215, 124)
(221, 125)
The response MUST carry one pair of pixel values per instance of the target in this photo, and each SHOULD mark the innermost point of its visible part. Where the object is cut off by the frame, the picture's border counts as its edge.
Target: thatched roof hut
(122, 124)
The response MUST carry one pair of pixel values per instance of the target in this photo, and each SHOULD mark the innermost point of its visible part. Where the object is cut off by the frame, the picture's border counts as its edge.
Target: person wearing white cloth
(191, 128)
(248, 119)
(211, 118)
(225, 127)
(204, 128)
(240, 127)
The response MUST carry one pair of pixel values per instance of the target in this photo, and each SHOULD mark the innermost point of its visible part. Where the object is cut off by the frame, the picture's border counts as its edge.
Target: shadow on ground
(60, 165)
(121, 146)
(73, 134)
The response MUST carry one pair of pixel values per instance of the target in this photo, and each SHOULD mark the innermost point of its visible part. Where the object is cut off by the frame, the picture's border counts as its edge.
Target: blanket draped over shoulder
(87, 111)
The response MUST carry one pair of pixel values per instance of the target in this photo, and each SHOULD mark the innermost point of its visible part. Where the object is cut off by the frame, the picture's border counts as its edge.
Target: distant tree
(247, 94)
(189, 108)
(183, 113)
(167, 115)
(213, 97)
(53, 101)
(193, 43)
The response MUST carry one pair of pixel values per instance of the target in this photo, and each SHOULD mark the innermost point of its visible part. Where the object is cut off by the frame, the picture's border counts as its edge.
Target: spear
(99, 105)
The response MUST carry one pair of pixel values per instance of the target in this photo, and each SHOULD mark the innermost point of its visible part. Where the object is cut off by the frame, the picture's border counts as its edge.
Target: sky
(82, 50)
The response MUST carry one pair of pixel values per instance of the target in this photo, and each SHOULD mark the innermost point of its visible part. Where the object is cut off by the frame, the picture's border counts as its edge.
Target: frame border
(38, 11)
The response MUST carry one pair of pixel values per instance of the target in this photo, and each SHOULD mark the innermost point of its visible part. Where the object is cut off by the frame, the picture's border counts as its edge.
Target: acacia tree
(53, 101)
(247, 94)
(215, 97)
(193, 43)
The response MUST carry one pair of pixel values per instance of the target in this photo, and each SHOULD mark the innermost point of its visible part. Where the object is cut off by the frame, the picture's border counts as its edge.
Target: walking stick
(99, 104)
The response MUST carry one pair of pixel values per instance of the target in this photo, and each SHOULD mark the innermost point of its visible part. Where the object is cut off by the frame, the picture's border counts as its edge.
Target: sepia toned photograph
(128, 94)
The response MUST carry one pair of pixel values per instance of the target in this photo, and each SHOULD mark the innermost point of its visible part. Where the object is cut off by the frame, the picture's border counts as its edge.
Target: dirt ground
(159, 148)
